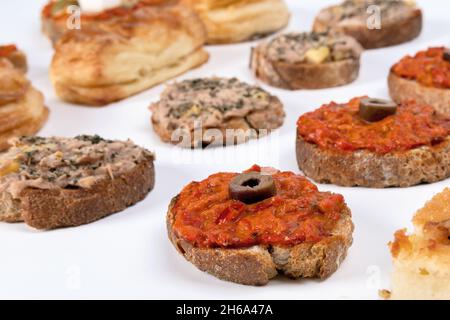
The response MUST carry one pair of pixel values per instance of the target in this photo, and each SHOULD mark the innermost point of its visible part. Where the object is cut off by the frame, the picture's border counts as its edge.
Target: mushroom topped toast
(424, 77)
(374, 143)
(374, 23)
(22, 109)
(307, 60)
(422, 259)
(215, 111)
(60, 182)
(249, 227)
(126, 50)
(229, 21)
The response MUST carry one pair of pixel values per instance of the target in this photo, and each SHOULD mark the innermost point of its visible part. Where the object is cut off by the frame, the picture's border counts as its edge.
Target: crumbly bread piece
(422, 260)
(50, 202)
(117, 58)
(400, 25)
(401, 90)
(240, 20)
(215, 103)
(368, 169)
(294, 72)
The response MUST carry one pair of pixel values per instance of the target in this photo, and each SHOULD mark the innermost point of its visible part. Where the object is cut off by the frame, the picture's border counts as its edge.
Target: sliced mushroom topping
(447, 55)
(252, 187)
(373, 110)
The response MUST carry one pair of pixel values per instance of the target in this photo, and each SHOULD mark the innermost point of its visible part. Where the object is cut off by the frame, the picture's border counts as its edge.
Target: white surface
(128, 255)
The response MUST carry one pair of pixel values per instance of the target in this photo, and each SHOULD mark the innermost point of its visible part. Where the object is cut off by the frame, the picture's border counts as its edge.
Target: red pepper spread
(7, 50)
(207, 217)
(338, 127)
(427, 67)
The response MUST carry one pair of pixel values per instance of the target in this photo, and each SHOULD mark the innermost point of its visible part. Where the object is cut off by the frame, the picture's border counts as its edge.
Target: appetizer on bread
(307, 60)
(374, 143)
(22, 109)
(215, 111)
(424, 77)
(247, 228)
(61, 182)
(374, 23)
(422, 260)
(127, 50)
(229, 21)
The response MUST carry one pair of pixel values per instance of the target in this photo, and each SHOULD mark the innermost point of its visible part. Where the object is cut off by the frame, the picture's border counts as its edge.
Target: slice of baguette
(258, 264)
(393, 32)
(369, 169)
(295, 76)
(422, 260)
(402, 90)
(73, 206)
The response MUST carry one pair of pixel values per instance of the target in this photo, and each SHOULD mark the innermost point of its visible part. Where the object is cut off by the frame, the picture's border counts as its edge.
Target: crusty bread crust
(258, 264)
(368, 169)
(57, 208)
(393, 33)
(302, 75)
(402, 90)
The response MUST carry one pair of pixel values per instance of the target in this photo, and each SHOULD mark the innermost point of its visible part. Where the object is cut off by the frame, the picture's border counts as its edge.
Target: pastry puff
(229, 21)
(135, 50)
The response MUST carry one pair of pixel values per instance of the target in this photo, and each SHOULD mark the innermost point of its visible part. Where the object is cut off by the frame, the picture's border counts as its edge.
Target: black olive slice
(372, 109)
(447, 55)
(252, 187)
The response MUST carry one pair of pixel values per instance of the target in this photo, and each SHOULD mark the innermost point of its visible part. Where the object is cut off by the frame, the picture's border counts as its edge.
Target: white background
(128, 255)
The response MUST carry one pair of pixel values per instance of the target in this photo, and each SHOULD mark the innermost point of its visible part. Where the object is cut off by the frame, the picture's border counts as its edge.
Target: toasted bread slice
(299, 72)
(44, 203)
(402, 90)
(258, 264)
(397, 29)
(364, 168)
(240, 20)
(422, 260)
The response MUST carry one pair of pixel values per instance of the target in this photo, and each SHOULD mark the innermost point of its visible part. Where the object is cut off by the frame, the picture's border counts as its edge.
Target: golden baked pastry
(22, 109)
(422, 260)
(229, 21)
(132, 50)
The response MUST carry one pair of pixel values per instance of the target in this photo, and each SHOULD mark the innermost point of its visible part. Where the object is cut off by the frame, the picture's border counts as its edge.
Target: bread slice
(401, 90)
(399, 29)
(364, 168)
(110, 60)
(422, 260)
(258, 264)
(50, 207)
(240, 20)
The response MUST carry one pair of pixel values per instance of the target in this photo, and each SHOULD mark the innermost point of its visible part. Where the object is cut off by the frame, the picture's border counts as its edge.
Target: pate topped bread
(127, 50)
(374, 23)
(22, 109)
(374, 143)
(424, 77)
(60, 182)
(247, 228)
(215, 111)
(422, 259)
(307, 60)
(229, 21)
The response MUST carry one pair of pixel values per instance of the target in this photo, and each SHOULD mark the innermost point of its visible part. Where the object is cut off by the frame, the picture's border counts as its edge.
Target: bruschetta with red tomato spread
(248, 227)
(374, 23)
(307, 60)
(124, 50)
(424, 77)
(374, 143)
